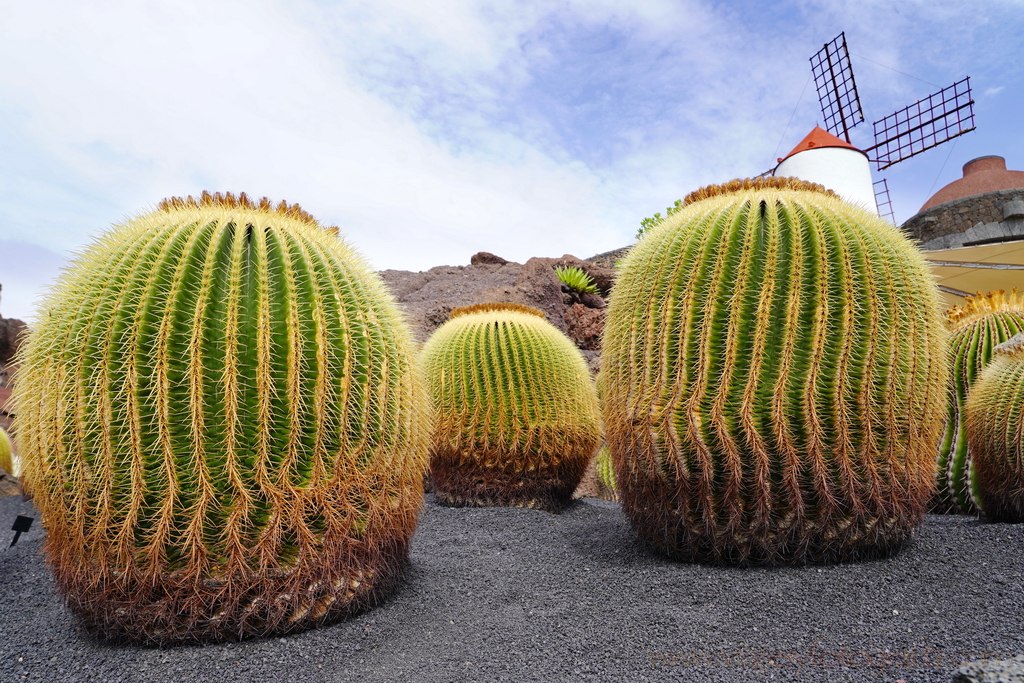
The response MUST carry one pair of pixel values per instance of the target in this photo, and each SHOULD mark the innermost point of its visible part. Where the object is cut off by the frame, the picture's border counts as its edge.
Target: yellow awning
(973, 270)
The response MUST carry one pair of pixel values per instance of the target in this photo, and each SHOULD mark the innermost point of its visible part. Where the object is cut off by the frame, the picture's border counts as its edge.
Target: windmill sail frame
(837, 88)
(928, 123)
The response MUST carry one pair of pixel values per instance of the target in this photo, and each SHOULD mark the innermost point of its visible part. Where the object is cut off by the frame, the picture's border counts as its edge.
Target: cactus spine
(517, 418)
(773, 375)
(6, 453)
(981, 324)
(221, 420)
(995, 433)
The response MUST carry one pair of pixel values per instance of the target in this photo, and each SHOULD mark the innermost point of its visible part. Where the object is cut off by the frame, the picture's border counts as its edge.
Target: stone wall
(958, 216)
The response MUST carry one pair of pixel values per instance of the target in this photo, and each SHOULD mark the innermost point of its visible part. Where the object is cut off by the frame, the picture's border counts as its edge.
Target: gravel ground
(523, 595)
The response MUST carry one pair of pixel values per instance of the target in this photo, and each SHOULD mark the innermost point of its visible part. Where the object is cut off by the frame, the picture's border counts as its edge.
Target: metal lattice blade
(883, 202)
(927, 123)
(837, 89)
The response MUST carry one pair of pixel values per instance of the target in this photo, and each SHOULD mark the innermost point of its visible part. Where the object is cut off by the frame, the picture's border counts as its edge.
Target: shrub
(772, 380)
(221, 420)
(517, 418)
(576, 279)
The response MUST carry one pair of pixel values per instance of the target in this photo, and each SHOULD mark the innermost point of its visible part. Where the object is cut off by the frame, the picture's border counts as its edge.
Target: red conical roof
(817, 139)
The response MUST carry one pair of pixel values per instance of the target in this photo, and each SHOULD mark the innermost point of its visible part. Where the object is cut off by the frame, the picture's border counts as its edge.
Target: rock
(11, 331)
(584, 326)
(486, 258)
(991, 671)
(591, 300)
(427, 298)
(9, 485)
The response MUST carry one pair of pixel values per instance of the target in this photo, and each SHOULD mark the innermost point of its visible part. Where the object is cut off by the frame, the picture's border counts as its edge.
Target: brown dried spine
(223, 425)
(981, 324)
(772, 377)
(517, 418)
(995, 433)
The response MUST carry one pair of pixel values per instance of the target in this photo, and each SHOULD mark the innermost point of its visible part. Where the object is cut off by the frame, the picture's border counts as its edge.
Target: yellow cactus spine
(977, 327)
(517, 418)
(995, 433)
(221, 419)
(772, 377)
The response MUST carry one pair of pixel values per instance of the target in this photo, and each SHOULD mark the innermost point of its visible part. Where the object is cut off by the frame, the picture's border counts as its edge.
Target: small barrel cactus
(995, 433)
(977, 327)
(605, 469)
(772, 379)
(517, 418)
(6, 453)
(223, 424)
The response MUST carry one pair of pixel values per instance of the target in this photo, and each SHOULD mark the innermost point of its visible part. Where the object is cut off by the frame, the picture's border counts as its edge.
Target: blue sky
(430, 131)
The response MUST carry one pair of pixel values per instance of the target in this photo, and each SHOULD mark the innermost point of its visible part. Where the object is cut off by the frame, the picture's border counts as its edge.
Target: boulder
(991, 671)
(11, 332)
(482, 258)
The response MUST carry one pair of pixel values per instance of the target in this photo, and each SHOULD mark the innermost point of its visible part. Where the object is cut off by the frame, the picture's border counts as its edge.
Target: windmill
(905, 133)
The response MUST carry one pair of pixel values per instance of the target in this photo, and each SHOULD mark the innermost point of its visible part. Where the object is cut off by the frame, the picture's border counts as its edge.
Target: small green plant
(576, 279)
(605, 469)
(648, 223)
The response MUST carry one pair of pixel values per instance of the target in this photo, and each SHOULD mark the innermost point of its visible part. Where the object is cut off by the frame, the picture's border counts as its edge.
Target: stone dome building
(985, 206)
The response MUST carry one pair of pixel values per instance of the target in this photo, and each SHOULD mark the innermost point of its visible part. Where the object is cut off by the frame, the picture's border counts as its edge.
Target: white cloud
(426, 131)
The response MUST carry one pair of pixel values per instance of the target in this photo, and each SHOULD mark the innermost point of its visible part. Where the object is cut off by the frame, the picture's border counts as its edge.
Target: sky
(429, 131)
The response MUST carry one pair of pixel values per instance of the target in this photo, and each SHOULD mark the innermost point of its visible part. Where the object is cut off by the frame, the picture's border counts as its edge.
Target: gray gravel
(523, 595)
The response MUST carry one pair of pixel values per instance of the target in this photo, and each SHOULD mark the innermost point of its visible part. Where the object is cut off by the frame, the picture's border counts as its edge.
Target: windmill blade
(837, 89)
(927, 123)
(883, 202)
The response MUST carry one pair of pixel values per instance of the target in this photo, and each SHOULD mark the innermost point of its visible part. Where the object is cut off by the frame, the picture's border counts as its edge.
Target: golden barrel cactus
(773, 379)
(517, 417)
(995, 433)
(976, 328)
(6, 453)
(222, 423)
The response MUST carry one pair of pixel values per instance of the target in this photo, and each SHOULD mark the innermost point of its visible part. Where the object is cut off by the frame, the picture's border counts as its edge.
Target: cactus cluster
(995, 433)
(976, 328)
(6, 453)
(773, 375)
(517, 417)
(222, 423)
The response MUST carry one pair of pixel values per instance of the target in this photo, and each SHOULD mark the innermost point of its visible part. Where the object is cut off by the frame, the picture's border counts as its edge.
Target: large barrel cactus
(772, 378)
(223, 426)
(995, 433)
(6, 453)
(517, 417)
(977, 327)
